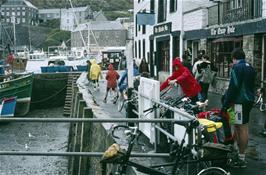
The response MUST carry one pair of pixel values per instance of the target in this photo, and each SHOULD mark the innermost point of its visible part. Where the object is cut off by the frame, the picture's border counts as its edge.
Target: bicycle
(259, 99)
(182, 155)
(123, 100)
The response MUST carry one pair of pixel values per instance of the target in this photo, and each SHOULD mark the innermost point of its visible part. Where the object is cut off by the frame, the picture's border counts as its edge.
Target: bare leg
(241, 132)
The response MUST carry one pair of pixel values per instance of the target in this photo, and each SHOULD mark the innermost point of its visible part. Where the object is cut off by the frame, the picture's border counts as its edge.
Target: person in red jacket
(112, 76)
(184, 78)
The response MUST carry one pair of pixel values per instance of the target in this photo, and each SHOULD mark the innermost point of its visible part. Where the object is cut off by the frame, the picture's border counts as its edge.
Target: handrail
(82, 120)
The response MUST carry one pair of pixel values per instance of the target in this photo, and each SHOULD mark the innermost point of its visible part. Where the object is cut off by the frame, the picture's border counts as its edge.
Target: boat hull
(20, 87)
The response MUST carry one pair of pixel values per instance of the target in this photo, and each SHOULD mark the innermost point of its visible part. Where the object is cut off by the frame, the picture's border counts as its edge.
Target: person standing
(112, 76)
(95, 73)
(143, 67)
(240, 94)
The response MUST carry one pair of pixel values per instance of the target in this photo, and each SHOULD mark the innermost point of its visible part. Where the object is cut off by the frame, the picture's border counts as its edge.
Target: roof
(196, 4)
(57, 10)
(49, 10)
(101, 25)
(77, 9)
(19, 3)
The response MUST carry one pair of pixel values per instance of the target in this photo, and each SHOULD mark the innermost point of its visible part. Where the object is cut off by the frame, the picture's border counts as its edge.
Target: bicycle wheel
(213, 171)
(120, 104)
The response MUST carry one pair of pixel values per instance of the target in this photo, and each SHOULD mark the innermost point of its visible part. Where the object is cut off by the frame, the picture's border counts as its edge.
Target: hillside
(109, 7)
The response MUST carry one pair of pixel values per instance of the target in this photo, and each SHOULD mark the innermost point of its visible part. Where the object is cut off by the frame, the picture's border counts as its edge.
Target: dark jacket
(241, 85)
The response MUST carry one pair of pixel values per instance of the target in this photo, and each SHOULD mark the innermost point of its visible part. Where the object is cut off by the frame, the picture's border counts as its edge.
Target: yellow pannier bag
(210, 125)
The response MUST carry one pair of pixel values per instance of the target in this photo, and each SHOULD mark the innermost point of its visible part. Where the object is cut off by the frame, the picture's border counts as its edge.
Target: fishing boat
(7, 107)
(19, 86)
(37, 55)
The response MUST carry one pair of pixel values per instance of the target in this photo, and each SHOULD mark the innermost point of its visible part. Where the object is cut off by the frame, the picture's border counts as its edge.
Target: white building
(72, 17)
(49, 14)
(215, 26)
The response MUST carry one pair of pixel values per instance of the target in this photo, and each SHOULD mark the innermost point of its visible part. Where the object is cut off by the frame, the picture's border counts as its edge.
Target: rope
(47, 98)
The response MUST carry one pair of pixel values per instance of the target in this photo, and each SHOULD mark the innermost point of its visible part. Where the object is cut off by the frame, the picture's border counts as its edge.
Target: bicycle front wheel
(213, 171)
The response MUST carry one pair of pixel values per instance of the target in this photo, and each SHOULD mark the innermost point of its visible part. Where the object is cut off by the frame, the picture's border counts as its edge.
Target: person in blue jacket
(241, 93)
(123, 83)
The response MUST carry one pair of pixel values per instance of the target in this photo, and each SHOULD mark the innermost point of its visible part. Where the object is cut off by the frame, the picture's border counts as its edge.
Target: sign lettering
(223, 30)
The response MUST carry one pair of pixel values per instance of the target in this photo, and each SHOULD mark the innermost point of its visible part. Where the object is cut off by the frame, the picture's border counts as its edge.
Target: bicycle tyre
(213, 171)
(120, 104)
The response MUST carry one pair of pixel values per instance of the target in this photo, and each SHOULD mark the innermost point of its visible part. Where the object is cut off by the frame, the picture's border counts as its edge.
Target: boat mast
(13, 21)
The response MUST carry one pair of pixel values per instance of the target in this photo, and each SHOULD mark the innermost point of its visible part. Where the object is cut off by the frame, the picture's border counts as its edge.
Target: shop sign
(223, 31)
(162, 29)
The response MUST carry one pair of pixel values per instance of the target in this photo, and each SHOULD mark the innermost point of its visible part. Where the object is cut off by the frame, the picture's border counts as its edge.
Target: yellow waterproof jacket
(95, 70)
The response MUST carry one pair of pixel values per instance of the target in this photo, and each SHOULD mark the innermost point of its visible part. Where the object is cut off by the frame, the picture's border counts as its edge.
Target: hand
(172, 82)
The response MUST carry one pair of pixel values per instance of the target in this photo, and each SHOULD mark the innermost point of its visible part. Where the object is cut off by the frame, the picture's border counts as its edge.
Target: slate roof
(101, 25)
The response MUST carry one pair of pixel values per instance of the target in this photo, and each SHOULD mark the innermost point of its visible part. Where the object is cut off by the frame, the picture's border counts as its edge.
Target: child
(112, 76)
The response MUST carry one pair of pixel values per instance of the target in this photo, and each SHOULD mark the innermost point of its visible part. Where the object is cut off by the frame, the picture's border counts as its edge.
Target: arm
(233, 88)
(166, 82)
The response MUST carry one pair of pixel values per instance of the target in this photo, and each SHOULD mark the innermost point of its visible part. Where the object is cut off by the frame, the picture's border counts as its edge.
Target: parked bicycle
(199, 157)
(259, 101)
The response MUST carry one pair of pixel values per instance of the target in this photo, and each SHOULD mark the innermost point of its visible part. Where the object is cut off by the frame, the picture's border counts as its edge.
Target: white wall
(194, 20)
(264, 8)
(142, 5)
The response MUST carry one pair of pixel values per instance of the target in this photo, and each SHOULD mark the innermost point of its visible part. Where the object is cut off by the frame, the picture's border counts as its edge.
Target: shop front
(166, 47)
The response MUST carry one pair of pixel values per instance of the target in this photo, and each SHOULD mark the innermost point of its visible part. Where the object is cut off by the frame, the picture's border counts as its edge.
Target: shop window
(221, 54)
(163, 56)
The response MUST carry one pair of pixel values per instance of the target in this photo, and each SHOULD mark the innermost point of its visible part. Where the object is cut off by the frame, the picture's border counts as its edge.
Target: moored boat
(20, 86)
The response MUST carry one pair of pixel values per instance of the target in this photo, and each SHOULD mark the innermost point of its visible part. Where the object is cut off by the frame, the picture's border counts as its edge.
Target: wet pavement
(43, 137)
(256, 152)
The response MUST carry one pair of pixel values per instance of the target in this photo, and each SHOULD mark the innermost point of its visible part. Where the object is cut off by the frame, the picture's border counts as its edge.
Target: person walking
(205, 73)
(184, 78)
(112, 76)
(95, 73)
(240, 95)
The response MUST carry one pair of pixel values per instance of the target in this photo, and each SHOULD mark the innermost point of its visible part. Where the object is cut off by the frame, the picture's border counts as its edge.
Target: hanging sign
(162, 29)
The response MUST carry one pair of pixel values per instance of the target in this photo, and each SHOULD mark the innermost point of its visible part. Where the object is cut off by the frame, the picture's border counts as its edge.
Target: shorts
(246, 111)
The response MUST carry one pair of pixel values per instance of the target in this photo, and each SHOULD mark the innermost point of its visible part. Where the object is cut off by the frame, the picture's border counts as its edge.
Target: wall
(195, 20)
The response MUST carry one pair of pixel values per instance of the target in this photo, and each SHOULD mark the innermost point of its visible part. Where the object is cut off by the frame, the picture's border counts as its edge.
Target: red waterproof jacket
(184, 78)
(112, 76)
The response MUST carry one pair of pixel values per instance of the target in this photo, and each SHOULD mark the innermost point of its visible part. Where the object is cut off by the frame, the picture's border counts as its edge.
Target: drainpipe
(181, 29)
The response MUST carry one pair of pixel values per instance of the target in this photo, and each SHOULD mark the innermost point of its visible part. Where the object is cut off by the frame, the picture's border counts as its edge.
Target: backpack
(207, 75)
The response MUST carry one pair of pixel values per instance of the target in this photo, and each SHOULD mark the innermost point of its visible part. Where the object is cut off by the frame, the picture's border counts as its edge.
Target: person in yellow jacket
(95, 73)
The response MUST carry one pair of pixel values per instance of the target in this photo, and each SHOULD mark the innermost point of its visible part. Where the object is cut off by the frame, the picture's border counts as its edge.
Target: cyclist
(184, 78)
(123, 84)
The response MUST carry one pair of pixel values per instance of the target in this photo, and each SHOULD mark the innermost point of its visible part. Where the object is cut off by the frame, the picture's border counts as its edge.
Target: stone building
(23, 11)
(98, 36)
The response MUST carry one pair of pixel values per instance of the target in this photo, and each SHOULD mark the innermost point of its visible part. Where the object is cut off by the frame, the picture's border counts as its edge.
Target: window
(162, 10)
(173, 5)
(235, 4)
(143, 29)
(23, 13)
(221, 54)
(136, 25)
(136, 49)
(7, 13)
(152, 4)
(18, 20)
(18, 13)
(23, 20)
(143, 48)
(3, 13)
(139, 49)
(7, 20)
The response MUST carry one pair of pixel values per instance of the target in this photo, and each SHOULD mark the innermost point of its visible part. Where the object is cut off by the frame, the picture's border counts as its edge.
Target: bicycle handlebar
(129, 131)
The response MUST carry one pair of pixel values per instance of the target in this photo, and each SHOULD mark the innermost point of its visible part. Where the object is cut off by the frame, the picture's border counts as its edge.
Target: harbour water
(36, 137)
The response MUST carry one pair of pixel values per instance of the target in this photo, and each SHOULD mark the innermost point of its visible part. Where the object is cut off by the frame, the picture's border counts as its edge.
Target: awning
(220, 40)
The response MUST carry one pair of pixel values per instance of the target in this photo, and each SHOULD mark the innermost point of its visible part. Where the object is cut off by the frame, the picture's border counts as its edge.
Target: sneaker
(239, 164)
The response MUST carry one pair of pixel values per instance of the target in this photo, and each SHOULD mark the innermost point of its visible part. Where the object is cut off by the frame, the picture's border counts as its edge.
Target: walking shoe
(239, 164)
